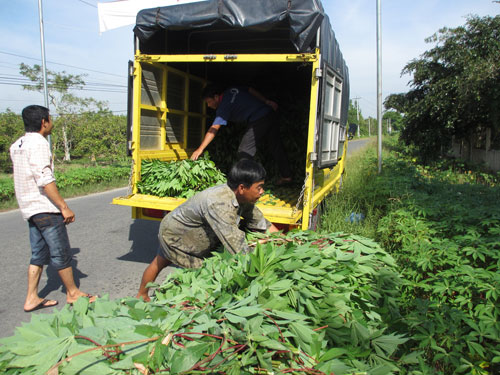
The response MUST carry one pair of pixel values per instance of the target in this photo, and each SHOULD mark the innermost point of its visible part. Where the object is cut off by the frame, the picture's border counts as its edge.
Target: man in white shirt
(43, 207)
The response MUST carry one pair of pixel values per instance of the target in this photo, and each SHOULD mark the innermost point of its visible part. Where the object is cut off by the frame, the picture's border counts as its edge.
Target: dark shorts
(49, 241)
(177, 257)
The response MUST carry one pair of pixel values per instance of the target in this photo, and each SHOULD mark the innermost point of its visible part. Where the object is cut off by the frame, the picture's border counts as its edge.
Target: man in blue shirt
(246, 105)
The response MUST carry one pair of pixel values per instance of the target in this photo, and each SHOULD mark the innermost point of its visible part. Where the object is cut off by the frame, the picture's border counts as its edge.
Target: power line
(91, 5)
(70, 66)
(9, 65)
(10, 78)
(95, 89)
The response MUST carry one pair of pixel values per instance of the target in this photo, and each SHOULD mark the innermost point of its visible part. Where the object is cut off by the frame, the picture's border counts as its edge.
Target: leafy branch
(181, 179)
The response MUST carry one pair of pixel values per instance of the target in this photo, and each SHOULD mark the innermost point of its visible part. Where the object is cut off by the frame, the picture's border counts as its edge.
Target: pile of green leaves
(302, 304)
(180, 178)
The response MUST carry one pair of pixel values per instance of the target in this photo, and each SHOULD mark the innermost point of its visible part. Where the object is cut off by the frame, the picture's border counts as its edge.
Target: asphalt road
(356, 145)
(110, 253)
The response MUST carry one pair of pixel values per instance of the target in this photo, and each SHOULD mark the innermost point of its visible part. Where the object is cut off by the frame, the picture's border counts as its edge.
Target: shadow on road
(144, 237)
(54, 281)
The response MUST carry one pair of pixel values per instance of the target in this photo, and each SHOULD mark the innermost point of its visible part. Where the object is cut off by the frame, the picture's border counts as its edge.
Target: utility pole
(379, 86)
(357, 107)
(357, 111)
(44, 68)
(369, 130)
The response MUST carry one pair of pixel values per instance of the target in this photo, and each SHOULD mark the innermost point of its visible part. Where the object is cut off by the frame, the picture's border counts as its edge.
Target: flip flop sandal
(42, 305)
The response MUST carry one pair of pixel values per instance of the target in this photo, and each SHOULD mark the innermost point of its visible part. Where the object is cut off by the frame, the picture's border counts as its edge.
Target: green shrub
(441, 223)
(444, 232)
(73, 178)
(6, 189)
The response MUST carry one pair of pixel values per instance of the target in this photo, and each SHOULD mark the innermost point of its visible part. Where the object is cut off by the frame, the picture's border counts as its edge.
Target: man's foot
(41, 305)
(144, 297)
(284, 181)
(83, 295)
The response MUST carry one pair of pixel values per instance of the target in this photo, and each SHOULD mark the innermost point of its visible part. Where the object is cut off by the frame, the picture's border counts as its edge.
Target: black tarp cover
(305, 17)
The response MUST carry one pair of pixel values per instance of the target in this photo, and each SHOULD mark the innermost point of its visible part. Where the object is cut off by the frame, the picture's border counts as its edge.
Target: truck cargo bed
(278, 206)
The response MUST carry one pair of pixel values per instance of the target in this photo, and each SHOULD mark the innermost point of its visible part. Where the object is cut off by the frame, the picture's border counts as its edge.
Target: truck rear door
(331, 132)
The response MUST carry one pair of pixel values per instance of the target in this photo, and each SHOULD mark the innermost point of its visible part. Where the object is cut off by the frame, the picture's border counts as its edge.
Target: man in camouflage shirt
(212, 217)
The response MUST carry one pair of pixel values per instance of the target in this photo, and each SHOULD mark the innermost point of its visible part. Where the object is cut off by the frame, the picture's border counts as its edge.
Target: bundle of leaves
(180, 178)
(303, 304)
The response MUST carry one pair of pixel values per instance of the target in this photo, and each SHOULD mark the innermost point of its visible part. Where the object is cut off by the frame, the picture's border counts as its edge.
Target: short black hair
(33, 116)
(211, 90)
(246, 172)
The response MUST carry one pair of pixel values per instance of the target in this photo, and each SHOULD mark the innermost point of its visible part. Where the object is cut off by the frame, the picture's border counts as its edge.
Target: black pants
(265, 130)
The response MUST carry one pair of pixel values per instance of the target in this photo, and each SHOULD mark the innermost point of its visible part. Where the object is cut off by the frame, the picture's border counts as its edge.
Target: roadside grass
(441, 223)
(74, 179)
(76, 191)
(355, 197)
(8, 204)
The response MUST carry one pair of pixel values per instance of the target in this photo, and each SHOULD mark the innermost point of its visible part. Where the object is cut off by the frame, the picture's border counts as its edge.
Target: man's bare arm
(209, 136)
(262, 98)
(53, 194)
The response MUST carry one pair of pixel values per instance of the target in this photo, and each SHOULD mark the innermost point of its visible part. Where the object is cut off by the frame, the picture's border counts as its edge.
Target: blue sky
(73, 44)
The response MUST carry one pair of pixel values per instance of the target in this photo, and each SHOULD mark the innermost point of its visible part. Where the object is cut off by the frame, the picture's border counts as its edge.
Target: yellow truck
(285, 49)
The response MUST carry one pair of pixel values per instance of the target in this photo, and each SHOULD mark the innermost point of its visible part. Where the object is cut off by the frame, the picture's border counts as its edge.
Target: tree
(66, 104)
(111, 140)
(12, 127)
(352, 114)
(394, 118)
(455, 88)
(355, 116)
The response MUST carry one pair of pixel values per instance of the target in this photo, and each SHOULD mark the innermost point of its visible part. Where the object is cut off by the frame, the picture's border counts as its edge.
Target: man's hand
(272, 104)
(211, 133)
(196, 154)
(53, 194)
(68, 215)
(271, 229)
